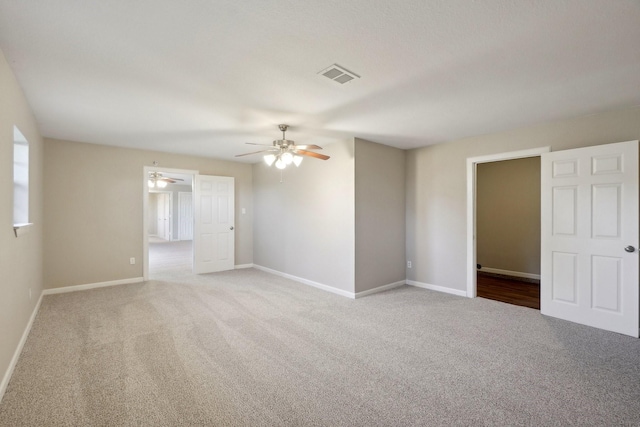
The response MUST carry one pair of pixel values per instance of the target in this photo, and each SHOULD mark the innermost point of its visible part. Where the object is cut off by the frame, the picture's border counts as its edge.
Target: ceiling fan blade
(311, 154)
(308, 147)
(255, 152)
(253, 143)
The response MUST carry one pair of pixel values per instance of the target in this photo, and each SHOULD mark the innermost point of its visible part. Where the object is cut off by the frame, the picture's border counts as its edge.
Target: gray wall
(436, 186)
(94, 225)
(304, 225)
(379, 215)
(20, 257)
(508, 215)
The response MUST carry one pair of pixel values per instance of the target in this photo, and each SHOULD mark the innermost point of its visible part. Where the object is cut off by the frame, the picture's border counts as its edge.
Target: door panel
(564, 279)
(164, 215)
(589, 216)
(185, 216)
(214, 235)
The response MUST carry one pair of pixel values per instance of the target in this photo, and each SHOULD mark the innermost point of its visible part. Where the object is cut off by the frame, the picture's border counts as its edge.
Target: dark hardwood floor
(509, 290)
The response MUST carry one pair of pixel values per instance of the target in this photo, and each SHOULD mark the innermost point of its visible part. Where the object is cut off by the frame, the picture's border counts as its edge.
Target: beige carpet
(245, 348)
(170, 258)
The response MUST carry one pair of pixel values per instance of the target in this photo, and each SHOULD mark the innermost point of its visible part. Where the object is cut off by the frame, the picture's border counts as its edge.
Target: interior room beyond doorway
(170, 225)
(508, 231)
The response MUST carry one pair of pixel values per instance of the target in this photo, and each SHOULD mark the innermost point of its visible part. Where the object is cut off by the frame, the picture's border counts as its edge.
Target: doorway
(472, 232)
(508, 231)
(168, 227)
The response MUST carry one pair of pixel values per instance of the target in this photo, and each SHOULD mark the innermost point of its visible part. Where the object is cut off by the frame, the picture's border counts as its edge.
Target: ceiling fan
(284, 151)
(156, 179)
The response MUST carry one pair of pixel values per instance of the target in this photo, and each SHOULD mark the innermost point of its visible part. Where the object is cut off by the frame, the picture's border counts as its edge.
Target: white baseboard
(437, 288)
(509, 273)
(307, 282)
(239, 266)
(16, 354)
(380, 289)
(92, 286)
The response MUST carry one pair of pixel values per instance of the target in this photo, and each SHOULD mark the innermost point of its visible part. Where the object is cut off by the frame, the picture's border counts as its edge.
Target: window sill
(20, 229)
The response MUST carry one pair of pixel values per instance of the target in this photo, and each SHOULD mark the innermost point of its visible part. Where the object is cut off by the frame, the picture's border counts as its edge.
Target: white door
(185, 216)
(214, 236)
(164, 216)
(589, 271)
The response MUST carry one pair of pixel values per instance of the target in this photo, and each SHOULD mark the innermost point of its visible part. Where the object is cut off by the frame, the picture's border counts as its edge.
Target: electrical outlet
(244, 211)
(132, 261)
(408, 264)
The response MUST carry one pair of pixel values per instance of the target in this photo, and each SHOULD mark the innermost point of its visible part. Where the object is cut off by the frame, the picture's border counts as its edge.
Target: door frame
(145, 209)
(472, 163)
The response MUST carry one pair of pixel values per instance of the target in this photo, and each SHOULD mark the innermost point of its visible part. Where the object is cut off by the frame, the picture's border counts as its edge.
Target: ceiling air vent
(338, 74)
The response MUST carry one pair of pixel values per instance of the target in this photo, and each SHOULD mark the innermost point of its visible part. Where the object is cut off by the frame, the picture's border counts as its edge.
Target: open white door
(214, 237)
(590, 236)
(185, 215)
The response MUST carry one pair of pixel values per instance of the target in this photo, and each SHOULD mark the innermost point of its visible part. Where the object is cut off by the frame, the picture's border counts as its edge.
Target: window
(20, 180)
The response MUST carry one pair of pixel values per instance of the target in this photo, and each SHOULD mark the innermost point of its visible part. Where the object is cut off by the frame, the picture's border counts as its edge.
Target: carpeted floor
(169, 258)
(245, 348)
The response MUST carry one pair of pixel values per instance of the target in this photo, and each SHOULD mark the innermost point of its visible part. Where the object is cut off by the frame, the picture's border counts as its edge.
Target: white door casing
(214, 236)
(185, 215)
(589, 214)
(472, 163)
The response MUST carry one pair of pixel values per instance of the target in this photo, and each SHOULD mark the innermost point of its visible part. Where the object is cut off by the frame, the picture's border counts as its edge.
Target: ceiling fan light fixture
(151, 183)
(287, 158)
(161, 184)
(280, 164)
(285, 151)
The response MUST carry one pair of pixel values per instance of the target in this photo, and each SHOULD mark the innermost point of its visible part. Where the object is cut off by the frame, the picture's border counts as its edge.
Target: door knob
(630, 249)
(231, 228)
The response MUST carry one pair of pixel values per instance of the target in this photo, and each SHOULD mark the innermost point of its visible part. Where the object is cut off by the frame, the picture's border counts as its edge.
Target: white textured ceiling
(204, 76)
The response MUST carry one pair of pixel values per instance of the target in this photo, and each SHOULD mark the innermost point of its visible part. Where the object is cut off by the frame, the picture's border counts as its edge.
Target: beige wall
(152, 210)
(436, 186)
(304, 225)
(508, 215)
(379, 215)
(93, 208)
(21, 257)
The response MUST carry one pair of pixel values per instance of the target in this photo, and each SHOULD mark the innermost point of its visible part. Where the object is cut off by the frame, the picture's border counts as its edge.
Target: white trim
(240, 266)
(509, 273)
(471, 205)
(444, 289)
(91, 286)
(307, 282)
(21, 229)
(380, 289)
(16, 354)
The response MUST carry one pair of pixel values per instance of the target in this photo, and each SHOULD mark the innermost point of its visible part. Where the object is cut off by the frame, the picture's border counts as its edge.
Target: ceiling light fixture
(285, 152)
(156, 179)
